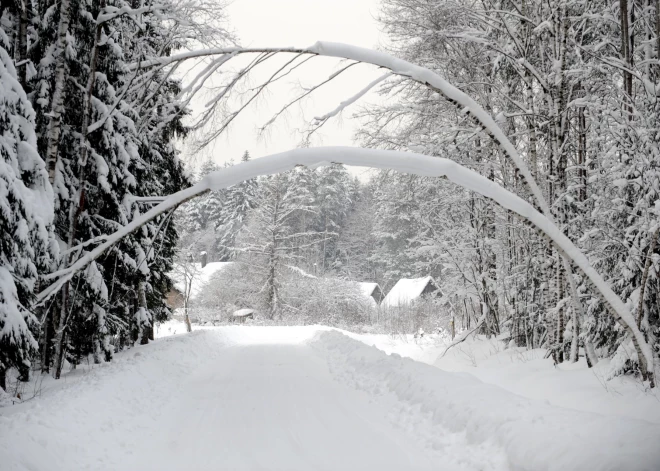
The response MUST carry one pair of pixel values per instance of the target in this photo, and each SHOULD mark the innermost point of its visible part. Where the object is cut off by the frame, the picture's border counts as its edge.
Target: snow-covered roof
(406, 291)
(367, 289)
(200, 276)
(243, 312)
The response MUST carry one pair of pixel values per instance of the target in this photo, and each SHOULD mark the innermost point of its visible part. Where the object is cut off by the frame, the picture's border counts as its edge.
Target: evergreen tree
(239, 201)
(334, 203)
(357, 242)
(26, 211)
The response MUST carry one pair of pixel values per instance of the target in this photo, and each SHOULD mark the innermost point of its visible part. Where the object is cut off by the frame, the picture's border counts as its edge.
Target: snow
(243, 312)
(533, 434)
(200, 278)
(367, 290)
(405, 291)
(13, 326)
(570, 385)
(301, 398)
(230, 398)
(346, 103)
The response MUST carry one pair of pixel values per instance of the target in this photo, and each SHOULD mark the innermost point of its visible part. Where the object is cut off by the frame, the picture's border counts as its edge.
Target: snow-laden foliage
(583, 115)
(87, 137)
(26, 212)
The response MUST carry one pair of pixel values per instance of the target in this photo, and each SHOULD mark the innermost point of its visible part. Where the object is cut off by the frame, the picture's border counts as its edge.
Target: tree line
(564, 94)
(88, 144)
(576, 87)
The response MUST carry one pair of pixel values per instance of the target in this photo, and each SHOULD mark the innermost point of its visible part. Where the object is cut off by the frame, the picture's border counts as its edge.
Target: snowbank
(82, 418)
(535, 435)
(571, 385)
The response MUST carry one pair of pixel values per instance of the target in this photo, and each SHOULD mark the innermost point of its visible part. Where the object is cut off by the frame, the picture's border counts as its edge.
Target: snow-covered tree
(26, 212)
(268, 240)
(239, 201)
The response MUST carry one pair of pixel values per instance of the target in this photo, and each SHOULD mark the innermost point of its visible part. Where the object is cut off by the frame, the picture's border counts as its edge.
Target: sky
(275, 23)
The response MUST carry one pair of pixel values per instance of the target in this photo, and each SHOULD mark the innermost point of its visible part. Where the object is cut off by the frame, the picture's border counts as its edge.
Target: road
(227, 399)
(276, 407)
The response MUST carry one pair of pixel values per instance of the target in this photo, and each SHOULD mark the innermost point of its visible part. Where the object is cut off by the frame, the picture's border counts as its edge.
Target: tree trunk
(22, 44)
(57, 101)
(657, 38)
(271, 296)
(560, 312)
(590, 354)
(582, 155)
(575, 334)
(79, 204)
(142, 303)
(626, 55)
(186, 306)
(59, 334)
(578, 314)
(45, 342)
(645, 275)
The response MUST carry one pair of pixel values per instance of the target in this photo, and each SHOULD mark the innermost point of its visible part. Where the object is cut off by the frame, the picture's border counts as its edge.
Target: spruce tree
(239, 201)
(26, 211)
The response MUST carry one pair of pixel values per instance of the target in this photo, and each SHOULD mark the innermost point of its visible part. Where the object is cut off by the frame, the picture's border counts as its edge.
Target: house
(242, 315)
(190, 278)
(372, 291)
(407, 290)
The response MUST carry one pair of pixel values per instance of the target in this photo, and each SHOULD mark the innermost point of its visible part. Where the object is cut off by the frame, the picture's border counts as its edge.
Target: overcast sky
(299, 23)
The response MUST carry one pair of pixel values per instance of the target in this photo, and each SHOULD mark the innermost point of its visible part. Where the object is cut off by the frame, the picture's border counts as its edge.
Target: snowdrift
(82, 418)
(534, 435)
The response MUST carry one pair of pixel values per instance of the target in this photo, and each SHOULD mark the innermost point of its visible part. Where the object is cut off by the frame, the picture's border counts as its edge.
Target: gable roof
(243, 312)
(367, 288)
(406, 290)
(370, 290)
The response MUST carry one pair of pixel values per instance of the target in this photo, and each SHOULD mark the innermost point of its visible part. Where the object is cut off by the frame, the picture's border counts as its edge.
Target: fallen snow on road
(533, 434)
(301, 398)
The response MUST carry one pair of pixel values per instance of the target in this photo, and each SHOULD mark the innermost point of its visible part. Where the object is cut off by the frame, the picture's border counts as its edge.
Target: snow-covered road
(288, 398)
(276, 407)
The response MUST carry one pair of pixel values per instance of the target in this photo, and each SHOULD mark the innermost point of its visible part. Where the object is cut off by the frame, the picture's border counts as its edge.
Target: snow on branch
(406, 162)
(398, 67)
(320, 120)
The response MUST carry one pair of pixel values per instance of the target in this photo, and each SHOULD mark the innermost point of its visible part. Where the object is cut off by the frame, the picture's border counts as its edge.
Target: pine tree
(357, 243)
(26, 211)
(334, 203)
(238, 202)
(124, 158)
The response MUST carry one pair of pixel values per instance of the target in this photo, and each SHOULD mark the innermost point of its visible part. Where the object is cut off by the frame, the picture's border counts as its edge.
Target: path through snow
(277, 398)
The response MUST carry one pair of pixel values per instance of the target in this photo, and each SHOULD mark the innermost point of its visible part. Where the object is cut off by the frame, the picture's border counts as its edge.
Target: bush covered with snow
(303, 299)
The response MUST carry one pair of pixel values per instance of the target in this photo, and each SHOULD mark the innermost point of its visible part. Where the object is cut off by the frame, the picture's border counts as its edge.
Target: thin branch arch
(405, 162)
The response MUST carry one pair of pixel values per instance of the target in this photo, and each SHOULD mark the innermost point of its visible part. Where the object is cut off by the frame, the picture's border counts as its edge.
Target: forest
(557, 103)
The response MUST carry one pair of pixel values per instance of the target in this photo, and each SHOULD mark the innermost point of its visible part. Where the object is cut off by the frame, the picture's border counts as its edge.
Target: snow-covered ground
(302, 398)
(569, 385)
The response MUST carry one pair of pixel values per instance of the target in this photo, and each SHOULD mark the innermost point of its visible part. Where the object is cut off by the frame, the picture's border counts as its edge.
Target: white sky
(275, 23)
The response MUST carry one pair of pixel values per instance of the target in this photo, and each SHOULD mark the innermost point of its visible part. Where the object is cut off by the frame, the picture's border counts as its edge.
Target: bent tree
(536, 211)
(395, 160)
